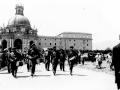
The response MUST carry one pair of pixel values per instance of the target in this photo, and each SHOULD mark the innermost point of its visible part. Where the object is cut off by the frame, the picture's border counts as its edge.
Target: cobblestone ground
(90, 65)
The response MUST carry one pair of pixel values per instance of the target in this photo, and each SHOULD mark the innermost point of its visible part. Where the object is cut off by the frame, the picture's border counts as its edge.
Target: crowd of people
(14, 57)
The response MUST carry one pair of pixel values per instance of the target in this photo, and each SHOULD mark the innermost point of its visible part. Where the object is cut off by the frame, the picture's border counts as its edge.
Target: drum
(19, 63)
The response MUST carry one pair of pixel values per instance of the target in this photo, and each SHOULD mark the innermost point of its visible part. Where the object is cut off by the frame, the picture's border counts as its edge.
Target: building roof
(75, 33)
(59, 37)
(18, 20)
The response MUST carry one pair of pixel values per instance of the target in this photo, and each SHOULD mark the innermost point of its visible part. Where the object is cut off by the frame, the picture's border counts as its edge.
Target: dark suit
(54, 60)
(47, 60)
(71, 54)
(116, 63)
(62, 60)
(34, 53)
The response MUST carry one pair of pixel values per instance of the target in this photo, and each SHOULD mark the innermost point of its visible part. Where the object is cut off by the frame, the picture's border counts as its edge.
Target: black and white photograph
(59, 44)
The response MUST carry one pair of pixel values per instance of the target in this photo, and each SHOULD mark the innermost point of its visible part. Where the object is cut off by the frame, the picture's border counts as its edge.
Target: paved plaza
(82, 79)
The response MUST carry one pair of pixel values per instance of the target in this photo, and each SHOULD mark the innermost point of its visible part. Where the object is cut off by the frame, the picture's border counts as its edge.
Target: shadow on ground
(4, 73)
(42, 75)
(70, 75)
(23, 76)
(37, 70)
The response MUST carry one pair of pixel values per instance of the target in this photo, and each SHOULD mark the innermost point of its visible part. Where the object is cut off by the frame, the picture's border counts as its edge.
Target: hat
(54, 47)
(32, 44)
(6, 49)
(71, 47)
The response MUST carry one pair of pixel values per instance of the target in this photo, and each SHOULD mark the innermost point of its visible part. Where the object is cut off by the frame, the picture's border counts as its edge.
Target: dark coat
(116, 62)
(34, 53)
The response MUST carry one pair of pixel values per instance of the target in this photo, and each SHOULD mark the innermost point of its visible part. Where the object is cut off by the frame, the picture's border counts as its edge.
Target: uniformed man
(15, 56)
(71, 58)
(8, 60)
(4, 59)
(62, 60)
(116, 64)
(54, 59)
(47, 59)
(34, 55)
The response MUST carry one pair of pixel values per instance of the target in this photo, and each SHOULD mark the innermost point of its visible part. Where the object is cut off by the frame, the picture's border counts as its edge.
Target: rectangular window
(55, 43)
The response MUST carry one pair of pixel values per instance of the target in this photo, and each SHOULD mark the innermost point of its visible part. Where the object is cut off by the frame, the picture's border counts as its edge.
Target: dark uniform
(8, 61)
(47, 59)
(29, 63)
(71, 54)
(15, 56)
(4, 59)
(34, 54)
(54, 59)
(116, 63)
(62, 60)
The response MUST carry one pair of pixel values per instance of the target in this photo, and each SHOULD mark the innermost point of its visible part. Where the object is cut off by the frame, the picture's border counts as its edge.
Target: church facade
(19, 33)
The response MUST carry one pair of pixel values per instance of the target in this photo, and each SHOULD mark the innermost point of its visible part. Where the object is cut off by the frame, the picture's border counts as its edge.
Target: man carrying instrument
(15, 57)
(54, 59)
(33, 55)
(47, 59)
(62, 60)
(71, 58)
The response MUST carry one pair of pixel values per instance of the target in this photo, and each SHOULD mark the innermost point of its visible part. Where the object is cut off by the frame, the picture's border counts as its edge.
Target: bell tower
(19, 9)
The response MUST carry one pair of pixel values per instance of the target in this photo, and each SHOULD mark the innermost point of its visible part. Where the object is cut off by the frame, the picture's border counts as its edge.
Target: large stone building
(19, 33)
(81, 41)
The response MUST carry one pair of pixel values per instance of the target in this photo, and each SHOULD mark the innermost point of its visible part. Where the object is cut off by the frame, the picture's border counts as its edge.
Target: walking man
(72, 58)
(47, 59)
(34, 55)
(116, 63)
(54, 59)
(62, 60)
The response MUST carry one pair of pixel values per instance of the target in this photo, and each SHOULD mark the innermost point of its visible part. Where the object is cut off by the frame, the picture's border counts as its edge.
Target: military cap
(33, 44)
(71, 47)
(54, 47)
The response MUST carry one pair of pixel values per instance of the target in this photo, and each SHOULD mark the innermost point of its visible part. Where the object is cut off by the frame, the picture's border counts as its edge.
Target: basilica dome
(19, 19)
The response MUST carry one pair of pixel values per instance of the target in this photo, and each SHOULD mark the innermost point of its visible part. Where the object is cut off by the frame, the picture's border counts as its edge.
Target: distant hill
(104, 45)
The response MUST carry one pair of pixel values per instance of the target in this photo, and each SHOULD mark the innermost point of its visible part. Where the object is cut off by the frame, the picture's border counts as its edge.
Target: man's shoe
(31, 75)
(15, 76)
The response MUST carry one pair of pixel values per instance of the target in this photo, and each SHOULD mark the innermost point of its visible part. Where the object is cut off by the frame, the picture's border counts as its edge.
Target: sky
(101, 18)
